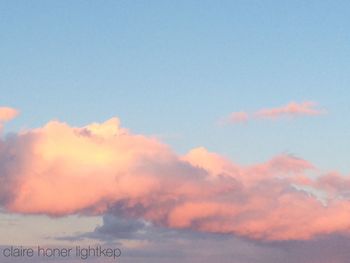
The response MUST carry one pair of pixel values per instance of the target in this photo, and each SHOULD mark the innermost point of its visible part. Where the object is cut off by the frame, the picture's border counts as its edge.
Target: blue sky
(173, 69)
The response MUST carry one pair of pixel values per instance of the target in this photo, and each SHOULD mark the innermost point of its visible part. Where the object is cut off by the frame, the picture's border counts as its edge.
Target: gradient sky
(174, 69)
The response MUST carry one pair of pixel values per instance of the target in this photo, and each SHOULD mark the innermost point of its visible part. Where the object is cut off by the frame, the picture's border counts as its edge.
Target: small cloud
(292, 109)
(7, 114)
(235, 117)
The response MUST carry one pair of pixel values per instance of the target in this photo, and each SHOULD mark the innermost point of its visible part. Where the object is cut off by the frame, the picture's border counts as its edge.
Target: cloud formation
(236, 117)
(157, 244)
(103, 168)
(7, 114)
(292, 109)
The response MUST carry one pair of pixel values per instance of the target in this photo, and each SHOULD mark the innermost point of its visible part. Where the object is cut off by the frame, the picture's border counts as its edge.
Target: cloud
(103, 168)
(236, 117)
(7, 114)
(121, 228)
(144, 242)
(292, 109)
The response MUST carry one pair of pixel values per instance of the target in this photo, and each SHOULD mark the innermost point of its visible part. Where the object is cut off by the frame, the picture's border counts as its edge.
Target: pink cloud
(236, 117)
(292, 109)
(103, 168)
(7, 114)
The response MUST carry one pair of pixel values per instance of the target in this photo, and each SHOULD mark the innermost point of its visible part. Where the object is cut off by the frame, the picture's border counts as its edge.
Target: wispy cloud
(236, 117)
(292, 109)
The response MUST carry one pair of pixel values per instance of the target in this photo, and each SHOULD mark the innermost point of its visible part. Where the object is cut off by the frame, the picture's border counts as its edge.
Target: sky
(145, 103)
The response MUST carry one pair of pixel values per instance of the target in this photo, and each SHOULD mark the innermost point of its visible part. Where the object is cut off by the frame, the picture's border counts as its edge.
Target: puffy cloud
(103, 168)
